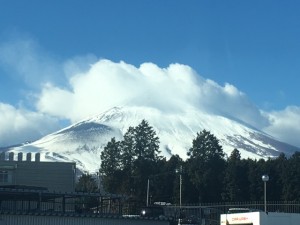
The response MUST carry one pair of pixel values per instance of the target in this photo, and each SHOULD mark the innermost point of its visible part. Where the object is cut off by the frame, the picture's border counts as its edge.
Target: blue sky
(252, 45)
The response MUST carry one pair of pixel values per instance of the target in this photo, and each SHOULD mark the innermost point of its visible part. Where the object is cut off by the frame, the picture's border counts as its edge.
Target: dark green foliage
(111, 157)
(146, 144)
(127, 165)
(255, 187)
(274, 168)
(235, 183)
(291, 179)
(127, 160)
(206, 166)
(86, 183)
(165, 183)
(206, 146)
(127, 146)
(111, 166)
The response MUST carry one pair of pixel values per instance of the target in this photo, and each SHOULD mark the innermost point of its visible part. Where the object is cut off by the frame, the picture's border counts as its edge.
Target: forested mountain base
(208, 175)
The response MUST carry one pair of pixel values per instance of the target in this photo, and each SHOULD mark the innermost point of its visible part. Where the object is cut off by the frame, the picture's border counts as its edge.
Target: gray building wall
(55, 176)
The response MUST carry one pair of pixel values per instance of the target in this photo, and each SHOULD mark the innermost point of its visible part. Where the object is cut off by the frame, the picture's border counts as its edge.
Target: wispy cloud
(25, 60)
(20, 125)
(285, 124)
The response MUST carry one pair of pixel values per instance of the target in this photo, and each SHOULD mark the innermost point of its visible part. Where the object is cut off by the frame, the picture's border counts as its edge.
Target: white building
(260, 218)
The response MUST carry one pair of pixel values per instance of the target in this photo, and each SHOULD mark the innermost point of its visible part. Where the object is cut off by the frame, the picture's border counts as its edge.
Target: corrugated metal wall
(9, 219)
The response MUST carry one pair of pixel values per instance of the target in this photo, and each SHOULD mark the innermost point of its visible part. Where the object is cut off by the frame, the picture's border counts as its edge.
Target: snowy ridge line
(83, 142)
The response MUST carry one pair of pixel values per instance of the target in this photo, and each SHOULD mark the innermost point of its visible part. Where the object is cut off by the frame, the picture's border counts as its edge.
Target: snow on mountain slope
(84, 141)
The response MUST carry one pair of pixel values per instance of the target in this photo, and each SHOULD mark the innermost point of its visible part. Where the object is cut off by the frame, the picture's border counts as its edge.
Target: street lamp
(180, 184)
(265, 179)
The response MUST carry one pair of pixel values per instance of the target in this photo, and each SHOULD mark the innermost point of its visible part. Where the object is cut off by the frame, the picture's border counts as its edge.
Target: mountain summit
(83, 142)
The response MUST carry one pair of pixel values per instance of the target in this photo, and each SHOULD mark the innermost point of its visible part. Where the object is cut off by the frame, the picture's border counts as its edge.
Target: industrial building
(51, 176)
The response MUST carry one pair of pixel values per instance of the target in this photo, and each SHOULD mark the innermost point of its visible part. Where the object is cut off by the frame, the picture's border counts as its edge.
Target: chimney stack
(28, 156)
(11, 156)
(20, 156)
(2, 156)
(37, 157)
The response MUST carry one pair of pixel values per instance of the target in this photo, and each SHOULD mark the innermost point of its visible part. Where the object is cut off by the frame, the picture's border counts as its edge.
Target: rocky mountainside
(83, 142)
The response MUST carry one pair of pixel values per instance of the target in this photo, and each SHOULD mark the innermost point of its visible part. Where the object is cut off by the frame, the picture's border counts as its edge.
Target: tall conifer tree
(111, 166)
(206, 165)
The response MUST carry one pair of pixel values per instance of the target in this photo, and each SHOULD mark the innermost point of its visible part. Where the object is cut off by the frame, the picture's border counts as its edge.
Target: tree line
(134, 166)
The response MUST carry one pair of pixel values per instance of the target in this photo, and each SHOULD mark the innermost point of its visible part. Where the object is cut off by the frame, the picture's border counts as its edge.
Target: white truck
(260, 218)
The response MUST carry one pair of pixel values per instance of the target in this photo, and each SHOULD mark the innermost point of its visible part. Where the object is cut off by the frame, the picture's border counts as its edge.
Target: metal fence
(92, 204)
(209, 213)
(272, 206)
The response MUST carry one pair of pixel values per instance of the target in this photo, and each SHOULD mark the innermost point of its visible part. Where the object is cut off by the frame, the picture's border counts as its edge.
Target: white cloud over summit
(92, 86)
(173, 89)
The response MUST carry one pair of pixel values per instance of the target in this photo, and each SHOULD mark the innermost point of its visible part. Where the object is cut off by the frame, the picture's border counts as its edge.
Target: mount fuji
(83, 142)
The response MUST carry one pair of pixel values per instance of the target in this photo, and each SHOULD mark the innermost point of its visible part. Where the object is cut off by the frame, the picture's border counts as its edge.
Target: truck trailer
(260, 218)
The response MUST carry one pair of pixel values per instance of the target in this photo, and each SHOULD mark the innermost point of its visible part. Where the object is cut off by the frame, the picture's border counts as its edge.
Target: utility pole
(148, 186)
(180, 186)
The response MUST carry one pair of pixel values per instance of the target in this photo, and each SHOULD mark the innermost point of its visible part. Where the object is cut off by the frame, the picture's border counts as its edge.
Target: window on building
(4, 176)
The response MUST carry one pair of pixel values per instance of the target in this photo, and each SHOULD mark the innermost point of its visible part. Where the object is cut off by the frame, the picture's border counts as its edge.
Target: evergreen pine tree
(206, 165)
(291, 182)
(255, 171)
(146, 156)
(127, 149)
(279, 166)
(235, 179)
(146, 142)
(111, 166)
(127, 161)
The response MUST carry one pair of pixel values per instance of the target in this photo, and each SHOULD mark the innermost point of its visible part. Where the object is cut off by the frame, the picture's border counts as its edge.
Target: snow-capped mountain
(84, 141)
